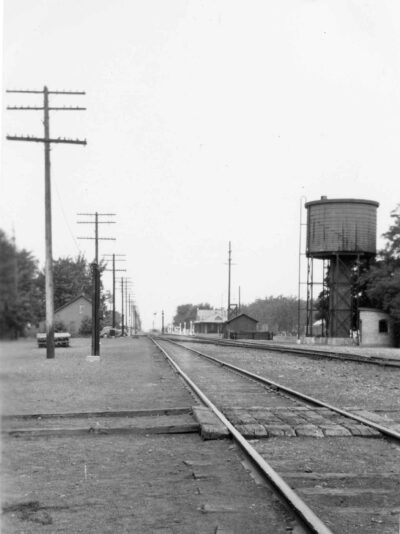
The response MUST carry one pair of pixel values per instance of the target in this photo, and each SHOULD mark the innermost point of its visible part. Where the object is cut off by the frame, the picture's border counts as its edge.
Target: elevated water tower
(341, 232)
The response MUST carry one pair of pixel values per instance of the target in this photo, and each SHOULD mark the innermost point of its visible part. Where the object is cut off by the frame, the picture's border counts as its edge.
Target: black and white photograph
(200, 267)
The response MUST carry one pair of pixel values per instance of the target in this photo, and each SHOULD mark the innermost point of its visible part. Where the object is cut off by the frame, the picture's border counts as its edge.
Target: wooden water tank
(344, 226)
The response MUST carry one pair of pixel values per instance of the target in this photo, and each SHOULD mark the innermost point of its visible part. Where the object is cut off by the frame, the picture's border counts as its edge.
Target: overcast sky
(206, 122)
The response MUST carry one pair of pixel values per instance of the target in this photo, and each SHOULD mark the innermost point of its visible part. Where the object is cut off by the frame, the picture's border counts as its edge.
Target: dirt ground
(129, 375)
(166, 484)
(105, 483)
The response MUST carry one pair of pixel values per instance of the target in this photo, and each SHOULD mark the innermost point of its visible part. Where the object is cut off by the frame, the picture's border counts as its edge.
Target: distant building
(73, 313)
(242, 323)
(209, 321)
(375, 328)
(319, 328)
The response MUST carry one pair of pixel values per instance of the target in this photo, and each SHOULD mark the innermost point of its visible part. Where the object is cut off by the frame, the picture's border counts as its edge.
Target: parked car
(109, 331)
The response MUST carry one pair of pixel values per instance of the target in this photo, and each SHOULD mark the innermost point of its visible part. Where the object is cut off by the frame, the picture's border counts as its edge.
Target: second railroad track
(340, 472)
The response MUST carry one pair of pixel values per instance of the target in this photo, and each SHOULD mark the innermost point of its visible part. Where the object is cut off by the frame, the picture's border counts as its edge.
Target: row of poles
(129, 315)
(47, 141)
(96, 274)
(128, 307)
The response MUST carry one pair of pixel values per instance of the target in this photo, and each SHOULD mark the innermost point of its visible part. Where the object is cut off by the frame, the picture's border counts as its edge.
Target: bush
(86, 327)
(59, 326)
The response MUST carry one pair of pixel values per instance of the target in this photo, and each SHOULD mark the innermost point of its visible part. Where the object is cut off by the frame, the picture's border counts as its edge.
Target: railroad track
(344, 482)
(307, 352)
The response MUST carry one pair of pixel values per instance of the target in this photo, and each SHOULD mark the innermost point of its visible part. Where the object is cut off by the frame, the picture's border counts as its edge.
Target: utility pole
(229, 279)
(162, 322)
(96, 275)
(127, 283)
(135, 316)
(14, 290)
(129, 314)
(123, 303)
(301, 224)
(114, 270)
(47, 141)
(131, 308)
(126, 307)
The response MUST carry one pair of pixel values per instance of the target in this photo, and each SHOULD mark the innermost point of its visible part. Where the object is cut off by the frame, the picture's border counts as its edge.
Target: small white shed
(375, 328)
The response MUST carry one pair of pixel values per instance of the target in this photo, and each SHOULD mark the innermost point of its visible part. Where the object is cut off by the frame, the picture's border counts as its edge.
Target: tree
(20, 302)
(381, 284)
(59, 326)
(86, 327)
(392, 248)
(72, 277)
(107, 318)
(22, 286)
(279, 313)
(188, 312)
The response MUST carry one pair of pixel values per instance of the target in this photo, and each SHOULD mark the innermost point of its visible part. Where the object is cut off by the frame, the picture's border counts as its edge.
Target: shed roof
(241, 315)
(72, 301)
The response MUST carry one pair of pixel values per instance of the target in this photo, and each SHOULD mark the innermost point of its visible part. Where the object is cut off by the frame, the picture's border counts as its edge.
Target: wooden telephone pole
(232, 308)
(131, 304)
(124, 303)
(96, 275)
(229, 280)
(114, 270)
(128, 286)
(47, 141)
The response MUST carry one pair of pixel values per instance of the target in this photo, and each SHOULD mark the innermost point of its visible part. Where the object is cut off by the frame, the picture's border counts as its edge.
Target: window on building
(81, 308)
(383, 326)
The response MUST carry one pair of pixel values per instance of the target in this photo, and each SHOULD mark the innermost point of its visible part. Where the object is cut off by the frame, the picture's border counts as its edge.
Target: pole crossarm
(100, 238)
(67, 92)
(44, 140)
(99, 215)
(39, 108)
(41, 91)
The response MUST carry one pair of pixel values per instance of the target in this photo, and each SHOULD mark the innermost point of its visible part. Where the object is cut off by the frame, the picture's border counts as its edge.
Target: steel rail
(307, 516)
(342, 356)
(384, 430)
